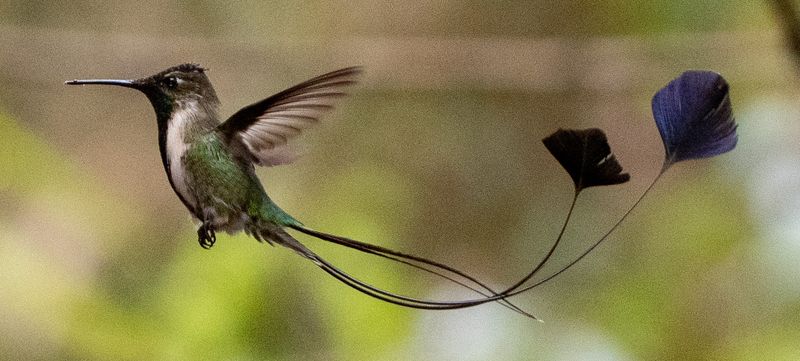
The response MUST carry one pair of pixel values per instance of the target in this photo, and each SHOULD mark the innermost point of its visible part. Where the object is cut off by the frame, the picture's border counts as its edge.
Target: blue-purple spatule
(693, 114)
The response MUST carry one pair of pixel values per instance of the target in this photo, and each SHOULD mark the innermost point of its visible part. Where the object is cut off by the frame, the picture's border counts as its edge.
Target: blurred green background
(437, 153)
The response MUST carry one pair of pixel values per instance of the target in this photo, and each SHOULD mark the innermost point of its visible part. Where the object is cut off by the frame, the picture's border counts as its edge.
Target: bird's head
(169, 89)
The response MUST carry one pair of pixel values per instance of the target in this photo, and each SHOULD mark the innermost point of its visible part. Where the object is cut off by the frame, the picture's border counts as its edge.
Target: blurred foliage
(437, 154)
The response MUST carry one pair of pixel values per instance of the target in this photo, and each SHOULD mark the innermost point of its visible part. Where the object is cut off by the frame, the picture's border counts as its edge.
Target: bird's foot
(206, 236)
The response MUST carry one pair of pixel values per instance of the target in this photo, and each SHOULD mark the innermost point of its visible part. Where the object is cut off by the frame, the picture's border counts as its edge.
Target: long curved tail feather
(420, 263)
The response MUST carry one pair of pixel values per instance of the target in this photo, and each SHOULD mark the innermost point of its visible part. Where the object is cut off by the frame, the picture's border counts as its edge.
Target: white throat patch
(176, 148)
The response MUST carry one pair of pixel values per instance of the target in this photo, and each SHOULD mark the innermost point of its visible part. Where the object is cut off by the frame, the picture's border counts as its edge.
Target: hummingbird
(210, 165)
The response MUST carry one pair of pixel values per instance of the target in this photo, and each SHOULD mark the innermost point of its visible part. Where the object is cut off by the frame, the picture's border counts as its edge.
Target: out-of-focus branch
(600, 64)
(786, 12)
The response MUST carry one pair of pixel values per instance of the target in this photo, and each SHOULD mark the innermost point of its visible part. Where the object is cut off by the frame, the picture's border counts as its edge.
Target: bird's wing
(264, 128)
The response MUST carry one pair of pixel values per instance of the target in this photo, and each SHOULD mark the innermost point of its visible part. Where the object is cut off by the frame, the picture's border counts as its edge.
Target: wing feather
(264, 128)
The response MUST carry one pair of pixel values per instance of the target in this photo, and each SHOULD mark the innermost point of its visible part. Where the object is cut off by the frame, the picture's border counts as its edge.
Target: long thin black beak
(124, 83)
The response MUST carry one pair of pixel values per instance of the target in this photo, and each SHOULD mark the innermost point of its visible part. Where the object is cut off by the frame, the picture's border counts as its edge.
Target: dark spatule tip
(586, 155)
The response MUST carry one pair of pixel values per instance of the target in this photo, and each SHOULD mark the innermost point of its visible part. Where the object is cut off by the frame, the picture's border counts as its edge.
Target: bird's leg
(206, 235)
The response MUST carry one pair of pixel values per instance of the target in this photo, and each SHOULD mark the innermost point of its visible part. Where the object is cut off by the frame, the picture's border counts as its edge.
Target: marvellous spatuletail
(211, 167)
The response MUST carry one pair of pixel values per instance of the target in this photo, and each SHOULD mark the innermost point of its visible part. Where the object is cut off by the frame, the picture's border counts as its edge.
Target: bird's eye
(171, 82)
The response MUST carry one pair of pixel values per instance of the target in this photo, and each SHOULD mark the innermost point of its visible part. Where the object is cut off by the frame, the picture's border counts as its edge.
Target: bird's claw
(206, 236)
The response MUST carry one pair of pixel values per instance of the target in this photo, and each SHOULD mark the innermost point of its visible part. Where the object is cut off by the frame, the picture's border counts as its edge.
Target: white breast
(176, 148)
